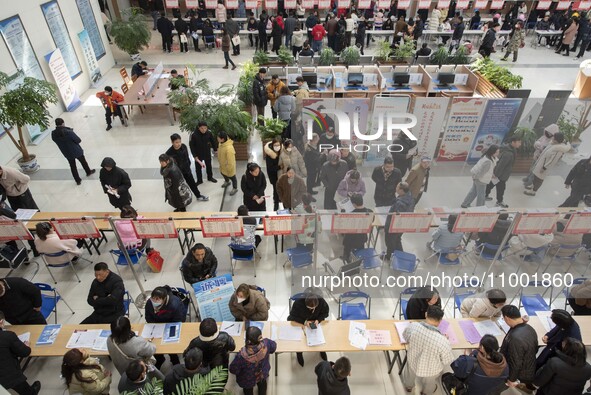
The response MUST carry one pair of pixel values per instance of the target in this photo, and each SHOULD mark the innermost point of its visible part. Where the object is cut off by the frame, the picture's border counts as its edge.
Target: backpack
(455, 386)
(183, 297)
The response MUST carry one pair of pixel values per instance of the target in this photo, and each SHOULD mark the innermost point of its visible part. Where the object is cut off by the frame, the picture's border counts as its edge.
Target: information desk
(158, 96)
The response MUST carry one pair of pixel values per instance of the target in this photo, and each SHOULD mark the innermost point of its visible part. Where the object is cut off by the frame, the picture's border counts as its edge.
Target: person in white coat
(539, 147)
(434, 19)
(485, 305)
(291, 157)
(482, 174)
(549, 159)
(48, 242)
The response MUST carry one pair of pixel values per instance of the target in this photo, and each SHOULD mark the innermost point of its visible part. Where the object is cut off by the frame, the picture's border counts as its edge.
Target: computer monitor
(311, 79)
(400, 79)
(446, 79)
(355, 79)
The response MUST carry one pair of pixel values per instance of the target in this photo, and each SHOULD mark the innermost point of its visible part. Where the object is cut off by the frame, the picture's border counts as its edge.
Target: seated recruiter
(191, 366)
(247, 303)
(496, 236)
(137, 374)
(127, 231)
(306, 239)
(310, 310)
(12, 349)
(485, 305)
(84, 374)
(216, 345)
(444, 238)
(124, 345)
(20, 301)
(567, 241)
(199, 264)
(176, 81)
(249, 238)
(420, 301)
(105, 296)
(162, 307)
(139, 69)
(332, 376)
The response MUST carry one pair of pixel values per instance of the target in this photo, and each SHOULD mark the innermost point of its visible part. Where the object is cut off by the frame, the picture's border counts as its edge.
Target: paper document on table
(380, 337)
(503, 325)
(25, 214)
(153, 331)
(274, 333)
(400, 327)
(232, 328)
(315, 337)
(83, 338)
(290, 333)
(356, 328)
(172, 332)
(445, 329)
(470, 332)
(545, 319)
(100, 344)
(487, 327)
(360, 340)
(49, 334)
(25, 337)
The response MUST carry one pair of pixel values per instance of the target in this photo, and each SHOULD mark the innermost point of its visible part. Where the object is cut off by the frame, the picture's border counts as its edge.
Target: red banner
(583, 5)
(172, 3)
(222, 227)
(384, 4)
(410, 223)
(250, 4)
(535, 223)
(285, 225)
(290, 4)
(211, 4)
(14, 230)
(579, 223)
(192, 3)
(232, 4)
(563, 5)
(443, 4)
(154, 228)
(76, 228)
(544, 5)
(497, 4)
(403, 4)
(462, 4)
(343, 3)
(476, 222)
(271, 4)
(309, 4)
(352, 223)
(424, 4)
(480, 4)
(363, 4)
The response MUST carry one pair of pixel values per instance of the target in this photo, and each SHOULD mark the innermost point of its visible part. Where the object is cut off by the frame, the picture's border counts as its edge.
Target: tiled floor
(136, 149)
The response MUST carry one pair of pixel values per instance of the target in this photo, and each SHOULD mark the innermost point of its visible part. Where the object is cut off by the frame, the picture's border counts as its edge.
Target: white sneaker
(547, 46)
(203, 198)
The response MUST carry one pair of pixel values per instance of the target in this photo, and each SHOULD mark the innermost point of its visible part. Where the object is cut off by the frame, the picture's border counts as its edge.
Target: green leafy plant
(350, 55)
(260, 57)
(211, 383)
(248, 73)
(460, 56)
(24, 103)
(285, 56)
(154, 387)
(271, 127)
(383, 51)
(528, 137)
(327, 57)
(405, 51)
(498, 75)
(440, 57)
(131, 35)
(568, 127)
(579, 118)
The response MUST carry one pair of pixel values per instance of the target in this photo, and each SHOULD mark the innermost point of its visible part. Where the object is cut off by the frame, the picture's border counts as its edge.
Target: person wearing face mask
(420, 301)
(331, 174)
(290, 157)
(329, 138)
(163, 307)
(351, 185)
(348, 157)
(247, 303)
(110, 100)
(136, 376)
(483, 368)
(115, 182)
(272, 151)
(290, 188)
(309, 310)
(253, 185)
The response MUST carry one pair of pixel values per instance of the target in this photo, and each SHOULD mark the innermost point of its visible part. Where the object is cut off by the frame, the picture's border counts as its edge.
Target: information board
(213, 297)
(271, 4)
(351, 223)
(363, 4)
(403, 4)
(343, 3)
(89, 22)
(497, 4)
(424, 4)
(308, 4)
(535, 223)
(172, 3)
(584, 5)
(14, 230)
(543, 4)
(250, 4)
(284, 225)
(94, 71)
(211, 4)
(443, 4)
(63, 81)
(579, 223)
(154, 228)
(61, 36)
(462, 4)
(76, 228)
(476, 222)
(20, 48)
(192, 4)
(221, 227)
(410, 223)
(480, 4)
(563, 5)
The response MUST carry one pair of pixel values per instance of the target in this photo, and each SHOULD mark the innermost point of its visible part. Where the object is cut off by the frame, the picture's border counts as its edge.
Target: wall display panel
(89, 22)
(61, 36)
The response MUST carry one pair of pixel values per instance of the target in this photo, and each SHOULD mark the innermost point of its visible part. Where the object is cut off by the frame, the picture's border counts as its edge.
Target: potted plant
(131, 35)
(212, 382)
(261, 58)
(494, 80)
(271, 128)
(460, 56)
(575, 124)
(327, 57)
(248, 73)
(383, 51)
(350, 56)
(405, 51)
(285, 56)
(440, 57)
(525, 153)
(25, 103)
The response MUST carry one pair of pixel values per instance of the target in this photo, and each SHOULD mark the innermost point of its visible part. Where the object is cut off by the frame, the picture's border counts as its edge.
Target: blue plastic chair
(67, 262)
(370, 257)
(135, 256)
(348, 310)
(536, 255)
(128, 301)
(572, 251)
(50, 296)
(299, 257)
(404, 262)
(234, 258)
(535, 302)
(403, 302)
(293, 298)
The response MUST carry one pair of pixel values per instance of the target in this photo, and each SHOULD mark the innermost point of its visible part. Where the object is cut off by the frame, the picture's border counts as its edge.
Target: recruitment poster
(90, 25)
(462, 125)
(497, 120)
(94, 70)
(381, 107)
(213, 297)
(62, 78)
(20, 48)
(61, 37)
(430, 113)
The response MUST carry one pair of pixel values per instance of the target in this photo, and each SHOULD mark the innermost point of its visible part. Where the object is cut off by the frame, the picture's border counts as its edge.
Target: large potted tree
(131, 35)
(248, 73)
(25, 103)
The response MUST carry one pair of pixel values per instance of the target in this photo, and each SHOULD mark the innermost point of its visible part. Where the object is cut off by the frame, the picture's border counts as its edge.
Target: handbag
(154, 260)
(185, 193)
(236, 40)
(455, 386)
(184, 38)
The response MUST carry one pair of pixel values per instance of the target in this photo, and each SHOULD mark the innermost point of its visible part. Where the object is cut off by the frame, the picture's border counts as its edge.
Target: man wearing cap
(331, 174)
(418, 178)
(259, 94)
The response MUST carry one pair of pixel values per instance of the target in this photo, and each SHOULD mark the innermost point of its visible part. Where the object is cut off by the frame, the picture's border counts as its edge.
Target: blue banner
(93, 68)
(90, 25)
(213, 297)
(61, 37)
(496, 121)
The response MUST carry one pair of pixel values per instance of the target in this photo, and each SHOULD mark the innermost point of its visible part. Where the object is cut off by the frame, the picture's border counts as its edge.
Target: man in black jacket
(182, 28)
(20, 300)
(519, 347)
(332, 377)
(404, 203)
(165, 28)
(488, 42)
(386, 178)
(456, 37)
(579, 182)
(216, 345)
(309, 310)
(115, 182)
(105, 296)
(503, 169)
(69, 144)
(354, 241)
(11, 375)
(139, 69)
(201, 143)
(233, 29)
(199, 264)
(180, 153)
(192, 366)
(259, 94)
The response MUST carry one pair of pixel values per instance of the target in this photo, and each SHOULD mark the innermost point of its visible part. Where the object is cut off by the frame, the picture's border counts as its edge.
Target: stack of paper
(232, 328)
(487, 327)
(358, 336)
(25, 337)
(49, 334)
(290, 333)
(503, 325)
(83, 338)
(100, 344)
(446, 330)
(545, 319)
(470, 332)
(400, 327)
(315, 337)
(153, 331)
(172, 332)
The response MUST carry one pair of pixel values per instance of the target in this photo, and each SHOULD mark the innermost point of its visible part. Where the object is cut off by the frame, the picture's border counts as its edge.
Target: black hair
(503, 216)
(164, 158)
(299, 79)
(287, 143)
(72, 364)
(425, 45)
(512, 139)
(307, 200)
(128, 211)
(388, 160)
(451, 222)
(160, 293)
(198, 246)
(43, 229)
(490, 344)
(59, 122)
(134, 369)
(404, 186)
(173, 71)
(201, 123)
(342, 368)
(121, 330)
(559, 137)
(274, 77)
(242, 210)
(252, 336)
(101, 266)
(495, 24)
(276, 139)
(193, 358)
(312, 300)
(175, 136)
(490, 151)
(357, 199)
(252, 166)
(575, 349)
(262, 70)
(435, 313)
(511, 311)
(496, 296)
(223, 135)
(562, 318)
(144, 63)
(208, 327)
(354, 175)
(108, 89)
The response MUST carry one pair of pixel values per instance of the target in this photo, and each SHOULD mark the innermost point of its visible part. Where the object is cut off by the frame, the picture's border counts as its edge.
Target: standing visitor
(226, 42)
(115, 182)
(503, 168)
(176, 190)
(165, 28)
(482, 175)
(253, 185)
(227, 159)
(201, 143)
(180, 154)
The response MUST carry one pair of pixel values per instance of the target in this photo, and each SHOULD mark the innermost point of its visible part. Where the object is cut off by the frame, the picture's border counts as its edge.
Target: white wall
(42, 42)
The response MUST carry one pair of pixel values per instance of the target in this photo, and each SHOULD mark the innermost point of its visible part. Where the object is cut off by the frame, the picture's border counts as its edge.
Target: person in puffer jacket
(352, 184)
(285, 104)
(251, 365)
(193, 366)
(215, 345)
(291, 157)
